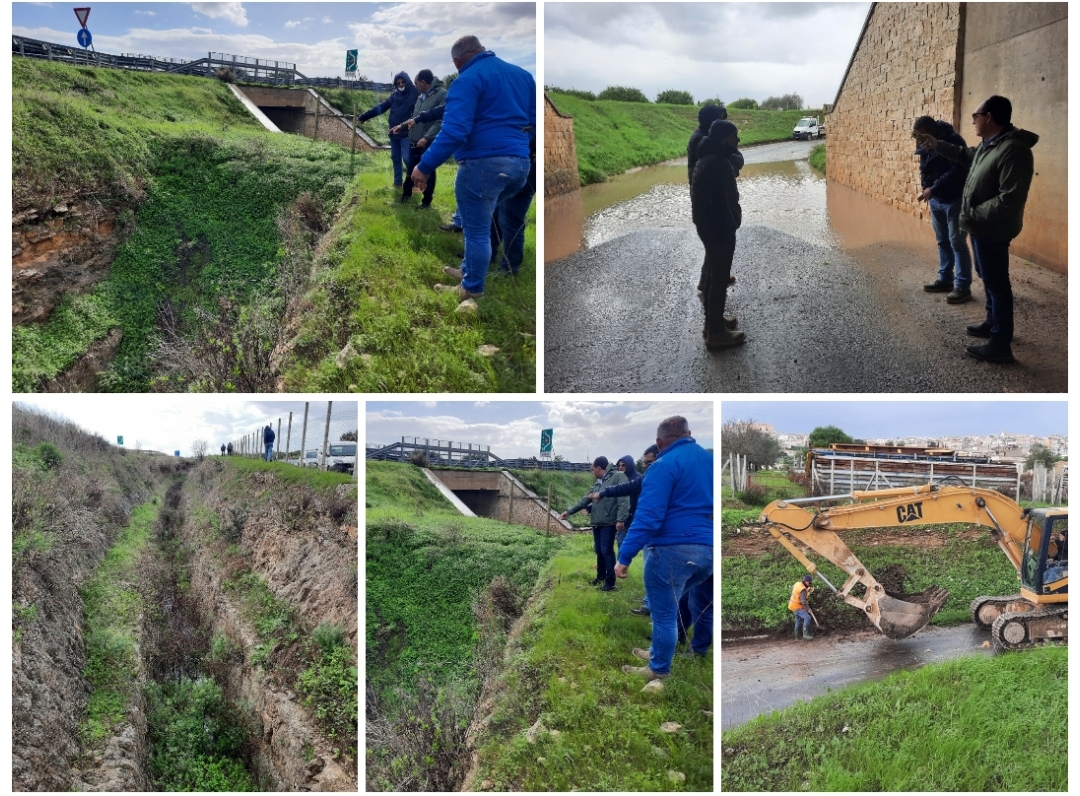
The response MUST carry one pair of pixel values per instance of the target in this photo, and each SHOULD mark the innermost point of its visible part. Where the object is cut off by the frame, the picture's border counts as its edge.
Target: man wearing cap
(604, 515)
(799, 603)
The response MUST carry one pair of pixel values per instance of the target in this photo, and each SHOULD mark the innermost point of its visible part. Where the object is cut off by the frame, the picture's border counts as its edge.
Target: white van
(341, 457)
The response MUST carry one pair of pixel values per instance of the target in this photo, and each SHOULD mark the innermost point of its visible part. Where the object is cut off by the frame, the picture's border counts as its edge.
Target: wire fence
(321, 435)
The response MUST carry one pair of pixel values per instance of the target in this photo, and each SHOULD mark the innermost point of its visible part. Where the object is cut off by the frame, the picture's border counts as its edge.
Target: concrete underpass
(305, 112)
(497, 495)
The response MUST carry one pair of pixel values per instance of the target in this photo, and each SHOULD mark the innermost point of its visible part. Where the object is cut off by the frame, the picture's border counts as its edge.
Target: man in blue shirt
(489, 119)
(674, 520)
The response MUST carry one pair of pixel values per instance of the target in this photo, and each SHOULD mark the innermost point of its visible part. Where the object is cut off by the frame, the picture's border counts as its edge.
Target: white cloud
(145, 14)
(327, 20)
(231, 12)
(292, 23)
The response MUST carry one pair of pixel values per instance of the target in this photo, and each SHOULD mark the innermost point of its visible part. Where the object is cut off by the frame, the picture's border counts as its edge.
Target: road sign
(176, 453)
(351, 57)
(545, 440)
(119, 440)
(83, 14)
(84, 38)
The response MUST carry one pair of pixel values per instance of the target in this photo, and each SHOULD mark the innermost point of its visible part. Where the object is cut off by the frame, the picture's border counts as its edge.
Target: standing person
(421, 134)
(714, 199)
(268, 441)
(400, 104)
(604, 515)
(799, 604)
(229, 449)
(992, 212)
(942, 186)
(222, 450)
(508, 223)
(674, 521)
(706, 116)
(631, 488)
(489, 120)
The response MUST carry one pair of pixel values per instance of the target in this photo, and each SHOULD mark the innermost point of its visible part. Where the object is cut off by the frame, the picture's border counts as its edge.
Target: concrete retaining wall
(560, 156)
(501, 496)
(305, 105)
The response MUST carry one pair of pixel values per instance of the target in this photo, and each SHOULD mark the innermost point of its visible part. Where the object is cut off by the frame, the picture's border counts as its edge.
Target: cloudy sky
(583, 430)
(876, 419)
(314, 36)
(726, 50)
(172, 423)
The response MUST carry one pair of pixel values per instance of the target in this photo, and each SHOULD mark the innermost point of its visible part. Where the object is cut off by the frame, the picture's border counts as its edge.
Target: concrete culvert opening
(498, 495)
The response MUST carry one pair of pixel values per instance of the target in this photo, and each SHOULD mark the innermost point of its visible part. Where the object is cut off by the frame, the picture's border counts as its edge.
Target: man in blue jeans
(400, 103)
(489, 120)
(674, 520)
(942, 185)
(268, 441)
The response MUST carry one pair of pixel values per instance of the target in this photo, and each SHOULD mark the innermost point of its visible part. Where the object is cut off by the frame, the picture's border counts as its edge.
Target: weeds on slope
(568, 718)
(927, 730)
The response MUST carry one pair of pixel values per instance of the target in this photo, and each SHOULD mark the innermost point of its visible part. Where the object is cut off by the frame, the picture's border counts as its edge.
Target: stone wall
(943, 59)
(560, 157)
(905, 66)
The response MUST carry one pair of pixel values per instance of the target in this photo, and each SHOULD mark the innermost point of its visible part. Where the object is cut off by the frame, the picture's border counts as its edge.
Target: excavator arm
(896, 616)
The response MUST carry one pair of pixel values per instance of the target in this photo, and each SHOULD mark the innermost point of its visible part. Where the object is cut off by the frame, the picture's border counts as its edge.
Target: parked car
(342, 457)
(807, 128)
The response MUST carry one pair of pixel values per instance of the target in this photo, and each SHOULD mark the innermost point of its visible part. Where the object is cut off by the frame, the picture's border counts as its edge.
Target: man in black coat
(706, 116)
(943, 185)
(714, 198)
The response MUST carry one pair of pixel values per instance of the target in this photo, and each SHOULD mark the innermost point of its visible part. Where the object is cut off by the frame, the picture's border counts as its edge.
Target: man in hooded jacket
(992, 212)
(706, 116)
(431, 94)
(400, 103)
(605, 515)
(714, 199)
(942, 184)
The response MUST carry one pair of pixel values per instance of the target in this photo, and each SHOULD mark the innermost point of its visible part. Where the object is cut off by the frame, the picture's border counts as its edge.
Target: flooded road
(829, 293)
(760, 677)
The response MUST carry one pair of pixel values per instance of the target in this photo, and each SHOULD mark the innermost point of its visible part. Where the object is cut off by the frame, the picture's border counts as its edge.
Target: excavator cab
(1044, 568)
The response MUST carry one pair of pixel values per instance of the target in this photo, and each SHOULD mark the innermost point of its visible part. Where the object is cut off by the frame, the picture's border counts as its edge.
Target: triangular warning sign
(83, 14)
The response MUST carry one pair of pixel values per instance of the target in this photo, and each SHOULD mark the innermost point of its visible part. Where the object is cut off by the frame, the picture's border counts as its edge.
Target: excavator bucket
(901, 615)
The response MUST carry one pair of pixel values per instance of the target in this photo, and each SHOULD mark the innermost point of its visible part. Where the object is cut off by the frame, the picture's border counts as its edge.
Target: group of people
(486, 120)
(268, 445)
(664, 512)
(978, 191)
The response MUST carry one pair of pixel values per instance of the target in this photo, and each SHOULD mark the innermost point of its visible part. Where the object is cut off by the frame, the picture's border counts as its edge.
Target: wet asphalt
(624, 315)
(762, 676)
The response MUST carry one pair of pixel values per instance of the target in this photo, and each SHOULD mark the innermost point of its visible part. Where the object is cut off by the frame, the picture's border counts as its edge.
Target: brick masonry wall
(905, 67)
(560, 157)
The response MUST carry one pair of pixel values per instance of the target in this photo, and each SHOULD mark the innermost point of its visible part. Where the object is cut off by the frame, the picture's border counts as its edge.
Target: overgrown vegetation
(611, 137)
(113, 606)
(926, 730)
(817, 157)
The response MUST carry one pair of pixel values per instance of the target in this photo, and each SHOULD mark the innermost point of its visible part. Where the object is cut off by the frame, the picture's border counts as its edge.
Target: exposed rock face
(64, 250)
(82, 376)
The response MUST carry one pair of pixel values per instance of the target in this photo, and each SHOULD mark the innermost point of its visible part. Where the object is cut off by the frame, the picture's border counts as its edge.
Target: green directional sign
(351, 57)
(545, 440)
(119, 440)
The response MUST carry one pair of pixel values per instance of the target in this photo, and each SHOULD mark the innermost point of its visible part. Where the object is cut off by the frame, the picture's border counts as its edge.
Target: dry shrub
(418, 458)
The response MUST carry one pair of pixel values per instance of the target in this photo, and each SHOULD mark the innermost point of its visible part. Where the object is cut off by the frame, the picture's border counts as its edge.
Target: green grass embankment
(597, 730)
(219, 223)
(817, 157)
(567, 488)
(611, 137)
(972, 724)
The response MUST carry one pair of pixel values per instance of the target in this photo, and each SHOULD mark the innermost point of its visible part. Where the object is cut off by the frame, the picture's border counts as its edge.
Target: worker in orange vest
(800, 605)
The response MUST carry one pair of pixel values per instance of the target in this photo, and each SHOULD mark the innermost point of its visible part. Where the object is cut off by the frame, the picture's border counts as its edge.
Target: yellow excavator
(1032, 539)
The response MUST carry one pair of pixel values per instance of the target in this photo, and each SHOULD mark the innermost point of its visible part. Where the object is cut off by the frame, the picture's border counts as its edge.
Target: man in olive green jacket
(421, 134)
(992, 212)
(607, 516)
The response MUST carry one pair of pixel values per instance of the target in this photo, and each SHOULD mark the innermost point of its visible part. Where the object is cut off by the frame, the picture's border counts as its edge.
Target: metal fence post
(288, 439)
(303, 438)
(326, 436)
(277, 440)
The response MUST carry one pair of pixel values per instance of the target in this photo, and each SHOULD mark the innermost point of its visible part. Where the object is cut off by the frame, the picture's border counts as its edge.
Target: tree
(744, 104)
(198, 448)
(674, 97)
(450, 78)
(712, 101)
(823, 436)
(788, 102)
(1040, 453)
(349, 436)
(740, 437)
(623, 94)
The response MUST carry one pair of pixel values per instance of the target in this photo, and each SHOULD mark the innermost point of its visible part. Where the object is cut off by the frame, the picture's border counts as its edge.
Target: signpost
(351, 57)
(84, 37)
(545, 440)
(119, 440)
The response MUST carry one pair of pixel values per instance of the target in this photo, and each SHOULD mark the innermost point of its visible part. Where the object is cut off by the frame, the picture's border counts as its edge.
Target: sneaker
(725, 339)
(731, 323)
(988, 353)
(640, 653)
(959, 296)
(462, 293)
(612, 587)
(938, 287)
(641, 611)
(424, 206)
(979, 329)
(450, 270)
(644, 671)
(450, 228)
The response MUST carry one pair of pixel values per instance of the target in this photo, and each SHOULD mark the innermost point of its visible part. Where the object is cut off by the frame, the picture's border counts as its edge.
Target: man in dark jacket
(992, 212)
(706, 116)
(942, 185)
(268, 441)
(604, 516)
(421, 134)
(400, 104)
(714, 199)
